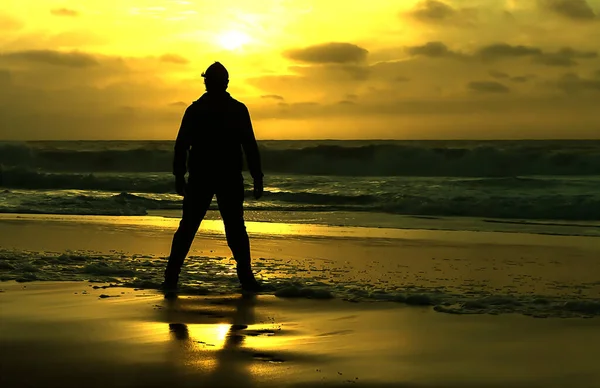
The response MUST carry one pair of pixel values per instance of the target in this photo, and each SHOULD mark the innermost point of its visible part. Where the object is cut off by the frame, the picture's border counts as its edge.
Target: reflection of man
(214, 131)
(231, 361)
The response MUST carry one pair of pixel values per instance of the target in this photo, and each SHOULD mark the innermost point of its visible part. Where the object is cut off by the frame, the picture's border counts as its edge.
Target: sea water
(548, 187)
(522, 180)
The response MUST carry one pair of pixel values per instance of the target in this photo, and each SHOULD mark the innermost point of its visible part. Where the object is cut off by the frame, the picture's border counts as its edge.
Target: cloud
(51, 57)
(118, 97)
(433, 50)
(352, 96)
(346, 102)
(487, 87)
(565, 57)
(570, 9)
(520, 79)
(64, 12)
(505, 50)
(498, 74)
(517, 79)
(272, 97)
(434, 11)
(174, 58)
(178, 104)
(329, 53)
(573, 83)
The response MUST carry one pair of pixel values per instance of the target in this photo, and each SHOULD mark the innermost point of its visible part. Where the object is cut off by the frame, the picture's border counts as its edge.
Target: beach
(419, 181)
(370, 307)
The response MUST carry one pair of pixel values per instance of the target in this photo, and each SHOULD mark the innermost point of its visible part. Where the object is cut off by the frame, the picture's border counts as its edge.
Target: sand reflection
(214, 350)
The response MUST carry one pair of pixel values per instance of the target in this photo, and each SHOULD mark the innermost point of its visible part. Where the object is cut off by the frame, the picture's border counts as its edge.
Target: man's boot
(169, 285)
(246, 277)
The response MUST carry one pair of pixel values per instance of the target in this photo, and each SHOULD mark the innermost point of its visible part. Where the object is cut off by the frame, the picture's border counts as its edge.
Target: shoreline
(455, 272)
(213, 224)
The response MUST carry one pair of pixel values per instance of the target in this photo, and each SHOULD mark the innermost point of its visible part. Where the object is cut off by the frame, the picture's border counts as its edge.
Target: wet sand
(72, 335)
(78, 334)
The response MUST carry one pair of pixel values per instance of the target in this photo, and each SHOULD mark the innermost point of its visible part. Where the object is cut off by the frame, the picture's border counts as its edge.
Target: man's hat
(216, 71)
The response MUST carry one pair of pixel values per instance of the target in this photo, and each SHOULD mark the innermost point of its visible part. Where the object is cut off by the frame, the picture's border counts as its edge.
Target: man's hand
(258, 188)
(180, 185)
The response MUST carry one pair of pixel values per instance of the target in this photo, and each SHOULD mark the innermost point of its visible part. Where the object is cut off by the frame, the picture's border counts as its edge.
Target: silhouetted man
(214, 130)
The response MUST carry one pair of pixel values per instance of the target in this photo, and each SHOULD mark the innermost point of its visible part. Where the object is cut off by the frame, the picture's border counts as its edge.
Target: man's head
(216, 77)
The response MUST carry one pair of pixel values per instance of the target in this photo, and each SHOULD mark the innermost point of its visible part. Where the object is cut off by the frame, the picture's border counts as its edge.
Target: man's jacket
(214, 131)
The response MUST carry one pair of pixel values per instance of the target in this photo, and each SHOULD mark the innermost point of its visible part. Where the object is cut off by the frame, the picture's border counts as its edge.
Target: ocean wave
(468, 159)
(26, 178)
(123, 204)
(540, 207)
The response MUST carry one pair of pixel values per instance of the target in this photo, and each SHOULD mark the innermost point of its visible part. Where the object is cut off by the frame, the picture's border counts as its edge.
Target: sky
(306, 69)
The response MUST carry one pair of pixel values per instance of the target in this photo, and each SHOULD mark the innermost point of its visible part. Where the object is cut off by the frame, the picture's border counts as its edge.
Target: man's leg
(195, 205)
(230, 197)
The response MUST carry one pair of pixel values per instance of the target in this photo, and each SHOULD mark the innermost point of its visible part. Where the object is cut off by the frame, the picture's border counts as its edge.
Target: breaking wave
(474, 159)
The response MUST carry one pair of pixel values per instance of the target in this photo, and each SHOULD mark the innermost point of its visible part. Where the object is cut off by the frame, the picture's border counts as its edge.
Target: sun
(233, 40)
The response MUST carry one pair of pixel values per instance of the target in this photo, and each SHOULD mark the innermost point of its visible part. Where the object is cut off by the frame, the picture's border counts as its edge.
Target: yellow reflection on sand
(215, 227)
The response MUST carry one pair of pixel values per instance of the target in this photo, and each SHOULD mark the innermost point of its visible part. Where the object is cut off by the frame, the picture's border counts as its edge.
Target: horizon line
(315, 140)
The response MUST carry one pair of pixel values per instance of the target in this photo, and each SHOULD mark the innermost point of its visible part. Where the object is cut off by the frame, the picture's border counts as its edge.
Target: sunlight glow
(233, 40)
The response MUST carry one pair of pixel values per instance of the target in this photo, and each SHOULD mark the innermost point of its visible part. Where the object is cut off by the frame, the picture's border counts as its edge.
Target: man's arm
(182, 145)
(250, 147)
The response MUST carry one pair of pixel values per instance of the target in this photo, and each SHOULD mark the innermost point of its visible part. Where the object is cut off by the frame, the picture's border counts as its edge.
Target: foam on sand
(288, 278)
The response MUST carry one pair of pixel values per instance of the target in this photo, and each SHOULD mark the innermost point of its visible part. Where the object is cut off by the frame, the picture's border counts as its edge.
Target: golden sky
(306, 69)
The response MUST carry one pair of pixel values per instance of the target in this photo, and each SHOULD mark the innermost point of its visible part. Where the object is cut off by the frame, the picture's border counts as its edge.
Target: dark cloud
(346, 102)
(434, 11)
(329, 53)
(401, 79)
(487, 87)
(567, 51)
(501, 75)
(174, 58)
(272, 97)
(564, 57)
(555, 60)
(352, 96)
(573, 83)
(178, 104)
(498, 74)
(64, 12)
(505, 50)
(118, 97)
(520, 79)
(571, 9)
(51, 57)
(433, 50)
